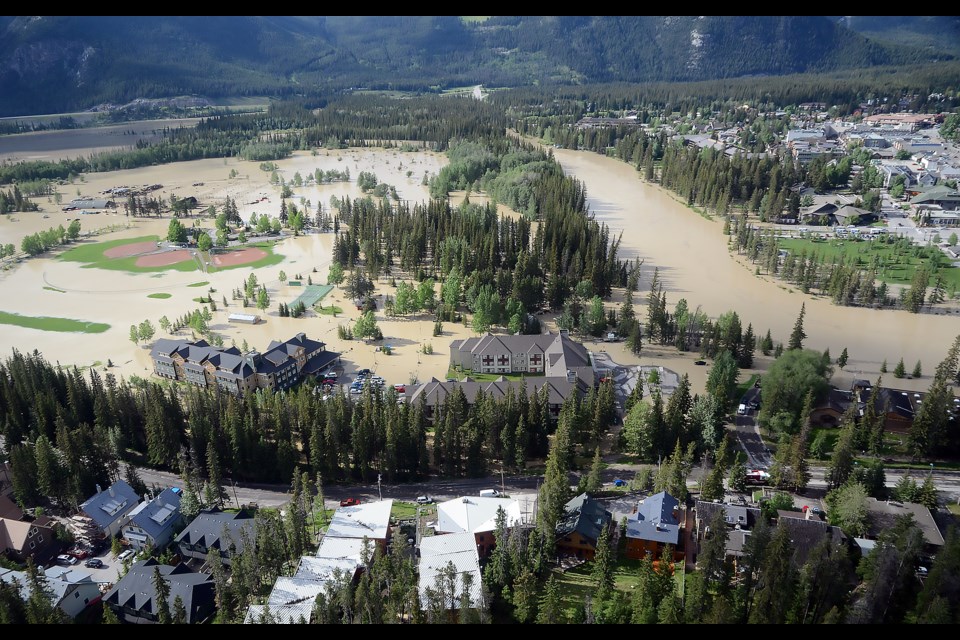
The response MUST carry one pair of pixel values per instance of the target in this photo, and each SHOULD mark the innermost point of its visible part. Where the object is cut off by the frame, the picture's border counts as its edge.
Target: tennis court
(312, 294)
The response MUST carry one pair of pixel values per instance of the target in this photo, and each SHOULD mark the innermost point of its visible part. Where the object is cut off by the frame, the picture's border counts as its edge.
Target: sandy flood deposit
(689, 250)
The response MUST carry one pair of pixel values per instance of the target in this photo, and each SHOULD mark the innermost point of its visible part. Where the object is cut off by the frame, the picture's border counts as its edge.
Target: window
(76, 594)
(33, 546)
(40, 539)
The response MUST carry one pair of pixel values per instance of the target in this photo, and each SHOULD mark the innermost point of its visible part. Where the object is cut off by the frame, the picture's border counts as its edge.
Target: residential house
(477, 515)
(111, 509)
(436, 554)
(69, 589)
(368, 520)
(580, 526)
(557, 390)
(882, 516)
(805, 529)
(134, 598)
(23, 536)
(227, 533)
(553, 355)
(655, 525)
(831, 410)
(153, 522)
(352, 534)
(282, 365)
(22, 539)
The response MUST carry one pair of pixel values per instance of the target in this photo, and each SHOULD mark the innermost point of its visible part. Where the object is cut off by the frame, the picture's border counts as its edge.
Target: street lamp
(931, 469)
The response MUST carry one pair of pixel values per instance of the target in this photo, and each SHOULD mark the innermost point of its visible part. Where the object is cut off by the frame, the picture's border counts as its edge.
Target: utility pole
(234, 485)
(503, 489)
(378, 486)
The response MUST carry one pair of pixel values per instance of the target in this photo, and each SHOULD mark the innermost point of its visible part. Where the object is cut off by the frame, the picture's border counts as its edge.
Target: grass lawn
(896, 264)
(54, 289)
(489, 377)
(830, 435)
(954, 509)
(45, 323)
(93, 252)
(199, 284)
(576, 584)
(745, 385)
(408, 510)
(332, 310)
(160, 296)
(92, 255)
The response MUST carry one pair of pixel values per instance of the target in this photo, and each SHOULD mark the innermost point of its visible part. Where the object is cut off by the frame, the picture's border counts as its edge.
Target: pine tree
(593, 482)
(900, 371)
(551, 609)
(797, 336)
(603, 565)
(917, 370)
(883, 366)
(179, 611)
(842, 360)
(161, 590)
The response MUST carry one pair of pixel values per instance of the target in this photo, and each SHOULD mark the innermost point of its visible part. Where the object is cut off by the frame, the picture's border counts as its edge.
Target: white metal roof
(341, 548)
(280, 614)
(370, 520)
(475, 514)
(293, 590)
(323, 569)
(460, 549)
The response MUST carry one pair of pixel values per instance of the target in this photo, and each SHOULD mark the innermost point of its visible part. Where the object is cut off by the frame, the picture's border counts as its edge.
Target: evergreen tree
(161, 590)
(900, 371)
(797, 336)
(603, 565)
(842, 360)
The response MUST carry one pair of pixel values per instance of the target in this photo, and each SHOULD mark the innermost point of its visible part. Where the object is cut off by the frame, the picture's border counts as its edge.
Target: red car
(349, 502)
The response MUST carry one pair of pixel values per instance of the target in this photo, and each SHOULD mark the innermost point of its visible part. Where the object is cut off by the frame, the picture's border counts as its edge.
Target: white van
(489, 493)
(742, 410)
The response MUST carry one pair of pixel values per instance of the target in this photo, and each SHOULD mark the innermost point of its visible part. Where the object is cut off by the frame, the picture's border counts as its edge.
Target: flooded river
(694, 264)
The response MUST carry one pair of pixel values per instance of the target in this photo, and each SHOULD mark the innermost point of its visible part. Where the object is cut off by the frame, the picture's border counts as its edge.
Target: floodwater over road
(694, 264)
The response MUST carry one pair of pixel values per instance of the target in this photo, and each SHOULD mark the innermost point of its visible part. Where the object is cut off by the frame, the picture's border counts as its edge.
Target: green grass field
(92, 255)
(897, 265)
(160, 296)
(332, 310)
(93, 252)
(199, 284)
(45, 323)
(54, 289)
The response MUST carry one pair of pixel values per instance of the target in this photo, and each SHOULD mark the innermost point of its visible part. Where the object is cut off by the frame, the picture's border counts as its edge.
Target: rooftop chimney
(99, 489)
(112, 494)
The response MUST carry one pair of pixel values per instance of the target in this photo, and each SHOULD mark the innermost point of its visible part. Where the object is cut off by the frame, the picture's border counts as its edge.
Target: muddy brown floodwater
(695, 264)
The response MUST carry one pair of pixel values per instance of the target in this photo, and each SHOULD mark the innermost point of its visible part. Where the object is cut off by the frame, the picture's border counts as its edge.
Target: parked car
(66, 561)
(126, 555)
(400, 388)
(349, 502)
(700, 362)
(93, 563)
(363, 373)
(424, 500)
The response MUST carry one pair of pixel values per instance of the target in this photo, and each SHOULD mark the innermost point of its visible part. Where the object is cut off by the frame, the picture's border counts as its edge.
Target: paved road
(748, 434)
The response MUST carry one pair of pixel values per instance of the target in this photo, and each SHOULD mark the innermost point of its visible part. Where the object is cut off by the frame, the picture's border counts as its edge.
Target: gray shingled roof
(583, 515)
(136, 591)
(207, 528)
(105, 509)
(160, 515)
(655, 520)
